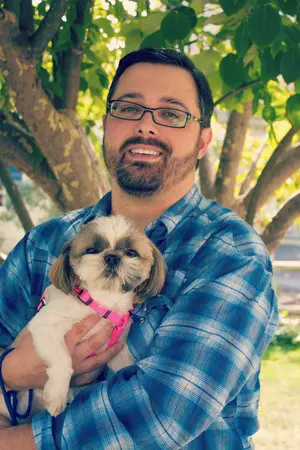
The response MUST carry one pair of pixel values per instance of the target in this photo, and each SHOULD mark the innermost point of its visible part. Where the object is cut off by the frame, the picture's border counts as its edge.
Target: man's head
(158, 121)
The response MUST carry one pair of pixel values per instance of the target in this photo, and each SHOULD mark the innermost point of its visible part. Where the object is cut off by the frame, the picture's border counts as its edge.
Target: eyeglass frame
(188, 115)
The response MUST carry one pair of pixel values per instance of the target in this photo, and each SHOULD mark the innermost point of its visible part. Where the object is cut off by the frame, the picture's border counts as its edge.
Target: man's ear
(204, 141)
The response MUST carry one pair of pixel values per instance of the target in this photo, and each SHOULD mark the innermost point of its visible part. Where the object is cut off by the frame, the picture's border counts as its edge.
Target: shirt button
(142, 319)
(145, 308)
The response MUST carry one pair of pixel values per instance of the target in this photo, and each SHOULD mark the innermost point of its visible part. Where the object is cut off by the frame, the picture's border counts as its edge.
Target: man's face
(173, 151)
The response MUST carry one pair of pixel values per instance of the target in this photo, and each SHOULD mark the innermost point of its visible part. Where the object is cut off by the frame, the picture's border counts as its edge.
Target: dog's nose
(112, 260)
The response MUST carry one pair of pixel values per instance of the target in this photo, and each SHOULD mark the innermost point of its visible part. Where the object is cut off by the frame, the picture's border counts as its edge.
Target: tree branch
(13, 6)
(250, 202)
(245, 186)
(233, 145)
(239, 89)
(207, 175)
(12, 152)
(283, 170)
(8, 124)
(71, 61)
(26, 17)
(280, 224)
(16, 198)
(48, 27)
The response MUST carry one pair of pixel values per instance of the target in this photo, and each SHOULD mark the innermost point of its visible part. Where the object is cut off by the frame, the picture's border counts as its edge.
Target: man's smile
(143, 153)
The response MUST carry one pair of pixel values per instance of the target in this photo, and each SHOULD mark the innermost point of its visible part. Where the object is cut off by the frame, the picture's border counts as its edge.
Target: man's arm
(17, 438)
(204, 352)
(23, 368)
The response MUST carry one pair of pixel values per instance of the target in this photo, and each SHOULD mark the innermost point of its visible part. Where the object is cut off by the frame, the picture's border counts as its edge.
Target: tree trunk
(57, 133)
(237, 127)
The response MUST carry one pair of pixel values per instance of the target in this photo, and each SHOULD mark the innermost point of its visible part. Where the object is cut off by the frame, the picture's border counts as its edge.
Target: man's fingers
(79, 330)
(93, 343)
(100, 358)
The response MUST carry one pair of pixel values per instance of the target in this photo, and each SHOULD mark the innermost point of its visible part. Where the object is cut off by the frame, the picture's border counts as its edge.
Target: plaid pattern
(196, 381)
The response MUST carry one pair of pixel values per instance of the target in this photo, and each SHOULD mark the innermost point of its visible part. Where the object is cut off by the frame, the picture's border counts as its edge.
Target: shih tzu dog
(107, 268)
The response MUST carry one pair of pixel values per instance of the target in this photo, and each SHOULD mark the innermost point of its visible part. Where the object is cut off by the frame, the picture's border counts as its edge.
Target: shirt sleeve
(206, 348)
(16, 307)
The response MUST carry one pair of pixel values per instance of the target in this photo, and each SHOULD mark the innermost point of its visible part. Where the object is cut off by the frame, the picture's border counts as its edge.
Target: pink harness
(118, 321)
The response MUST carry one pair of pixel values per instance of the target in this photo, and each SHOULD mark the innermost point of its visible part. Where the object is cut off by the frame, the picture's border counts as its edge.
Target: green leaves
(232, 71)
(293, 110)
(264, 24)
(154, 40)
(289, 6)
(178, 23)
(290, 65)
(242, 41)
(269, 114)
(175, 26)
(269, 65)
(232, 6)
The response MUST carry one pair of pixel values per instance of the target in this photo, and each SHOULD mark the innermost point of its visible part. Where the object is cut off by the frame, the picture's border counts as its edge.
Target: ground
(280, 401)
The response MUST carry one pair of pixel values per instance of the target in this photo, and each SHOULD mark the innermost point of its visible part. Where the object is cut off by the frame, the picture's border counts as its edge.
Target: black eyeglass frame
(188, 115)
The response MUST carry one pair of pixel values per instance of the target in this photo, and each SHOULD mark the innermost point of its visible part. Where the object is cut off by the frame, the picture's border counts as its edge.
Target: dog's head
(110, 253)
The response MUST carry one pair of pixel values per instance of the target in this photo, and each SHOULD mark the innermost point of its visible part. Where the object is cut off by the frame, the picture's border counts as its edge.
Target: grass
(280, 400)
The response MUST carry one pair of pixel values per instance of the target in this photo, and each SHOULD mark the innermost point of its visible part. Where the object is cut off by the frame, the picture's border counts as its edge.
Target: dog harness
(118, 321)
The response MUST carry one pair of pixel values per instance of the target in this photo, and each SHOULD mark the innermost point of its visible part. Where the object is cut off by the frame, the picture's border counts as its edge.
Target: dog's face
(110, 253)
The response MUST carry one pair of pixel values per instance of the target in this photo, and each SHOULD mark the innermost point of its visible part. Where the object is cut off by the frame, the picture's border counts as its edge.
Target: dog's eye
(131, 253)
(92, 251)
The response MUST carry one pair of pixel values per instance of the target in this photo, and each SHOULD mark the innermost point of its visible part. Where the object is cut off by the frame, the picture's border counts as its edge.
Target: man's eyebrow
(133, 95)
(139, 95)
(174, 101)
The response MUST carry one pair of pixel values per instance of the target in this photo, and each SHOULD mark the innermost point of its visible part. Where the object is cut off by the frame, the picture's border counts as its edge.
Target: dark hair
(172, 58)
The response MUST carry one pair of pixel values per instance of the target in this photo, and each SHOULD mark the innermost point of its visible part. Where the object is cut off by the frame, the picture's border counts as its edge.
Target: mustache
(150, 141)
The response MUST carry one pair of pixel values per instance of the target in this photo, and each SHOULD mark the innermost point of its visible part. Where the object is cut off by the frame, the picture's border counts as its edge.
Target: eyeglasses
(168, 117)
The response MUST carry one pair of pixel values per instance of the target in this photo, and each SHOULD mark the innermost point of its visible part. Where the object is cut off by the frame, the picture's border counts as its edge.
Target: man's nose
(146, 124)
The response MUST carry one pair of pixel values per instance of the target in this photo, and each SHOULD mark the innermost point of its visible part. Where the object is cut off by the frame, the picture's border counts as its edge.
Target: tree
(56, 60)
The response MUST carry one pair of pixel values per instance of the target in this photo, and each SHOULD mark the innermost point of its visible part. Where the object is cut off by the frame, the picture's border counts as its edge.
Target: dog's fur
(138, 273)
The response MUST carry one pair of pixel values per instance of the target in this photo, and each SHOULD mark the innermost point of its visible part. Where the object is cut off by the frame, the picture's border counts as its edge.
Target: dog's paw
(55, 397)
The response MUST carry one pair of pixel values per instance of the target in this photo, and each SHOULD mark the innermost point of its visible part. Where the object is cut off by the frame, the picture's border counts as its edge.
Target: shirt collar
(172, 216)
(165, 223)
(101, 208)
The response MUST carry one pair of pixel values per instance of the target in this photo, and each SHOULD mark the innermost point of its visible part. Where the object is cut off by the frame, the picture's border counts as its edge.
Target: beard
(143, 179)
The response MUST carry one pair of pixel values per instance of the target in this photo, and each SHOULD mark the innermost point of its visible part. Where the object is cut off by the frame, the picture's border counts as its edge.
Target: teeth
(145, 152)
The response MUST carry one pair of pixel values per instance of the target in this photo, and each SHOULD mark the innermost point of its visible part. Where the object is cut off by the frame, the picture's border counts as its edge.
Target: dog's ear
(61, 273)
(153, 285)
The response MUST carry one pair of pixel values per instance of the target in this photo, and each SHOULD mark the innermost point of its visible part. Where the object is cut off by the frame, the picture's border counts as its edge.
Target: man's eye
(92, 251)
(170, 114)
(129, 109)
(131, 253)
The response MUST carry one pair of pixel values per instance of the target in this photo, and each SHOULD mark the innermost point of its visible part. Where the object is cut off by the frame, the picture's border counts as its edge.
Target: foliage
(287, 336)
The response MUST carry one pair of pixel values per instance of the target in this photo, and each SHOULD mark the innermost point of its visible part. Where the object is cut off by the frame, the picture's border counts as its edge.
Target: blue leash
(11, 397)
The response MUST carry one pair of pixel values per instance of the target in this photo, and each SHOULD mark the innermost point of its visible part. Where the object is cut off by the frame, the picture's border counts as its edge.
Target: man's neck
(143, 210)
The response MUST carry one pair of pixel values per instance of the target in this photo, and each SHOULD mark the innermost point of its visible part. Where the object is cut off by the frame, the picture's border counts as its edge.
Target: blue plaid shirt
(195, 384)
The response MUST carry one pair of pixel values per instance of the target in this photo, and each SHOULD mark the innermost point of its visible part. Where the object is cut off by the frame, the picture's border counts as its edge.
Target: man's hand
(23, 368)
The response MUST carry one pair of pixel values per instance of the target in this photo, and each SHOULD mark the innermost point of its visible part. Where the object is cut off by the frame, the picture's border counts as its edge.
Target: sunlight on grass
(280, 401)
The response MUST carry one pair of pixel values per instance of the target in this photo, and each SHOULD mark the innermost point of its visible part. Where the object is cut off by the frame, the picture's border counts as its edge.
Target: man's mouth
(143, 154)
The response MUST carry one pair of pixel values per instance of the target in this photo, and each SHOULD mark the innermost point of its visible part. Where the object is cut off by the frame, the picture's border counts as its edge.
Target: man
(199, 344)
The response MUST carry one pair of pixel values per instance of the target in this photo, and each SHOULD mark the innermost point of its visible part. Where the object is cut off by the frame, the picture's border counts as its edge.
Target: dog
(107, 268)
